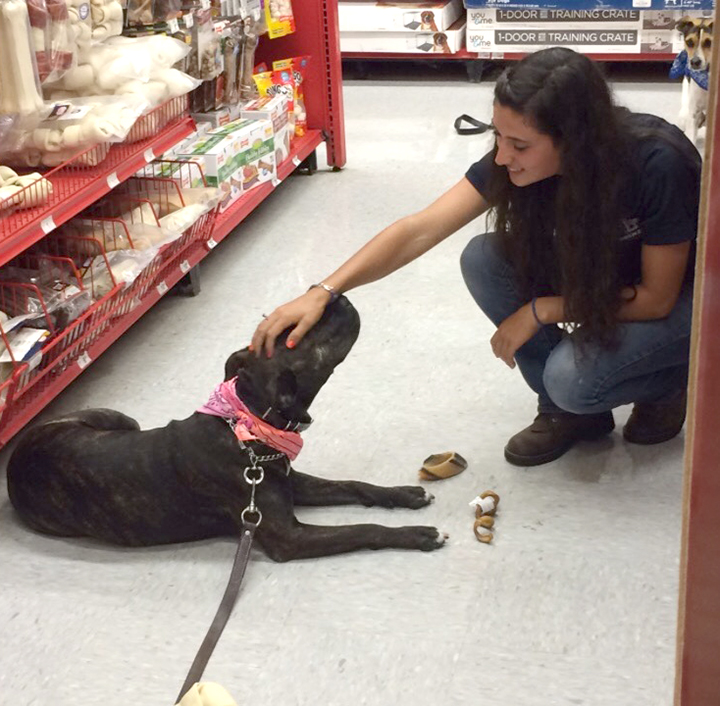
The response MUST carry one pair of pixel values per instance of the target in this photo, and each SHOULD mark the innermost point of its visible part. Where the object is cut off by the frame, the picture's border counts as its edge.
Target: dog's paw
(413, 497)
(431, 538)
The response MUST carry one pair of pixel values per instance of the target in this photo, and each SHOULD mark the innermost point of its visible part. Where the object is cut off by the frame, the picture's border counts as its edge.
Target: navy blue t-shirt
(662, 197)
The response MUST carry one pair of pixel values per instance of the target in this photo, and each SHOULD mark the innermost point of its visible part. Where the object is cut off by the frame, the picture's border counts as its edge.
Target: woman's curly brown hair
(562, 233)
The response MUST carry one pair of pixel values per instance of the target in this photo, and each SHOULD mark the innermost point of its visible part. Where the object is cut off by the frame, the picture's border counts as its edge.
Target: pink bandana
(225, 403)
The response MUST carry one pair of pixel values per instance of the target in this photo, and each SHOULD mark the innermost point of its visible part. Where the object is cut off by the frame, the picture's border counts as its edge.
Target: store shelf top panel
(593, 4)
(78, 183)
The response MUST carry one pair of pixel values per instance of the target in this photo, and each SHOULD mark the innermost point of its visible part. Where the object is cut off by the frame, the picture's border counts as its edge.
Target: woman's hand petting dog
(513, 333)
(303, 312)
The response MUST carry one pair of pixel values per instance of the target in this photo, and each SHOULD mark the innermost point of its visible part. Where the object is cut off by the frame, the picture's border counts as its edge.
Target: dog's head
(427, 16)
(287, 383)
(698, 41)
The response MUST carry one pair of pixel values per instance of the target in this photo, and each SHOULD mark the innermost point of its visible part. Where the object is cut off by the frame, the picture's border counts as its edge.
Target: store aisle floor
(573, 604)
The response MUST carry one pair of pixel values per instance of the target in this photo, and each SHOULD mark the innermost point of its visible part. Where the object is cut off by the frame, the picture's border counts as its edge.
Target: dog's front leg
(312, 491)
(295, 540)
(684, 118)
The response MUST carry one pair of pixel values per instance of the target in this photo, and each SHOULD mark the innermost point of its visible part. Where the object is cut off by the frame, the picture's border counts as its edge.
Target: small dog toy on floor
(485, 506)
(207, 694)
(441, 466)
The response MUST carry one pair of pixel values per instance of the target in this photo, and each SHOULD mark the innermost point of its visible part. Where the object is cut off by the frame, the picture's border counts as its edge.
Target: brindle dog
(96, 474)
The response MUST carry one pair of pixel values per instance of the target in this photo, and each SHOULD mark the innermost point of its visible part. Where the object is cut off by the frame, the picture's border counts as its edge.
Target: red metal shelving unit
(31, 388)
(76, 186)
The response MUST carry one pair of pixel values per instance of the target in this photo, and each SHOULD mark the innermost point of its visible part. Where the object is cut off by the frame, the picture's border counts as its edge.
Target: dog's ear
(708, 26)
(685, 24)
(237, 362)
(287, 388)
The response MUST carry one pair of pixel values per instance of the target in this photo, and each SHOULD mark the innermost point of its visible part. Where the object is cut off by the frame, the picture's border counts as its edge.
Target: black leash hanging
(477, 127)
(223, 612)
(253, 475)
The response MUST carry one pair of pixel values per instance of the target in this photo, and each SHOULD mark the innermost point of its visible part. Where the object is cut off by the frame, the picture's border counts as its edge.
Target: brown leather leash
(253, 475)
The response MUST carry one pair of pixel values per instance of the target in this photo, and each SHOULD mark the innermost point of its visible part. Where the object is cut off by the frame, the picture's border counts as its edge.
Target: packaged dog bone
(279, 18)
(19, 81)
(298, 66)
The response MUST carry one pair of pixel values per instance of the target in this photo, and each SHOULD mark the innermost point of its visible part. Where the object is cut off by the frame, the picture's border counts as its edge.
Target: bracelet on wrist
(334, 294)
(539, 323)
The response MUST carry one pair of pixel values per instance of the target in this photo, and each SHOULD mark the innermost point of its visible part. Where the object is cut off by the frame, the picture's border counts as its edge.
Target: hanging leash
(477, 127)
(251, 518)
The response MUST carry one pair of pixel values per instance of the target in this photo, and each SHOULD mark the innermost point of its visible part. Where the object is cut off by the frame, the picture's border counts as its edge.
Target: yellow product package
(294, 71)
(279, 17)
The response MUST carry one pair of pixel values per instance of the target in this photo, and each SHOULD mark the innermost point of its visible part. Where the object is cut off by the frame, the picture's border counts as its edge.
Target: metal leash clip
(252, 508)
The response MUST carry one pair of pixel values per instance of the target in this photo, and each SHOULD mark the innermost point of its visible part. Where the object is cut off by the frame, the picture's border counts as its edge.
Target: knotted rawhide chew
(482, 528)
(486, 503)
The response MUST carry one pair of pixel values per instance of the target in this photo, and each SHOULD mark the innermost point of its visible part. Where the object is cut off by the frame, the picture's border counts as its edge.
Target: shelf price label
(135, 303)
(162, 288)
(189, 20)
(84, 360)
(173, 26)
(47, 225)
(184, 267)
(149, 155)
(211, 243)
(113, 180)
(276, 182)
(296, 161)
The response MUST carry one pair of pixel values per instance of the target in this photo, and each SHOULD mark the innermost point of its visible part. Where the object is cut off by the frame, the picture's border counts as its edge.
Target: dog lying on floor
(95, 474)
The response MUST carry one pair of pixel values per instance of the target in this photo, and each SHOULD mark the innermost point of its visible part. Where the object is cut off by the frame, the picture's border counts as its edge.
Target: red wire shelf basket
(79, 182)
(82, 251)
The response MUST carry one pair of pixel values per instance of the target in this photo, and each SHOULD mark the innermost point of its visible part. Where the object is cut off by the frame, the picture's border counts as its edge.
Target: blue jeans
(650, 360)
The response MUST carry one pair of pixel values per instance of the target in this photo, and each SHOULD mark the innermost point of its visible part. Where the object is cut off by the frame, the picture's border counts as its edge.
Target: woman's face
(528, 155)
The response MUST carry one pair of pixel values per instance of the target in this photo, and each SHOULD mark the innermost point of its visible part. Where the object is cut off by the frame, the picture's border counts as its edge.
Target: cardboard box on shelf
(661, 41)
(587, 41)
(448, 42)
(667, 19)
(253, 145)
(490, 18)
(275, 110)
(683, 5)
(217, 118)
(418, 16)
(217, 155)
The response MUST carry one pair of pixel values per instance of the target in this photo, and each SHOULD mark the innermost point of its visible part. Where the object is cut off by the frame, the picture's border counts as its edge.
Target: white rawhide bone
(25, 191)
(79, 78)
(485, 504)
(17, 62)
(7, 175)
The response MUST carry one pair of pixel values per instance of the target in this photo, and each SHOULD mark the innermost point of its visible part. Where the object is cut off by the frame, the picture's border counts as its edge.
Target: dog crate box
(682, 5)
(449, 42)
(661, 41)
(587, 41)
(275, 110)
(484, 18)
(667, 19)
(436, 16)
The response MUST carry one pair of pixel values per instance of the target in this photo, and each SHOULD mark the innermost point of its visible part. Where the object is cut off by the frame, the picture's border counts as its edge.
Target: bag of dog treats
(297, 67)
(279, 17)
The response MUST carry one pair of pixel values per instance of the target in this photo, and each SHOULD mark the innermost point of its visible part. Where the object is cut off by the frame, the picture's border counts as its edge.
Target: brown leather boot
(553, 433)
(655, 422)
